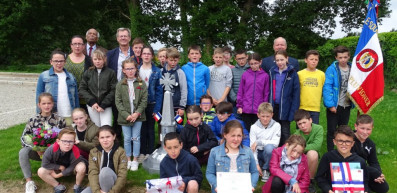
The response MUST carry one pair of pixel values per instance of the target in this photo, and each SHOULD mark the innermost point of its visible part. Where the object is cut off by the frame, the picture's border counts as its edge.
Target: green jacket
(120, 166)
(123, 101)
(100, 88)
(90, 137)
(315, 138)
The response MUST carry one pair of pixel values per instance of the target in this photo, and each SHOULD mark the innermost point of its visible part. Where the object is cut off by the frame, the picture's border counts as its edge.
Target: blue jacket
(113, 57)
(155, 89)
(217, 127)
(332, 86)
(185, 165)
(48, 82)
(218, 161)
(198, 81)
(290, 93)
(270, 62)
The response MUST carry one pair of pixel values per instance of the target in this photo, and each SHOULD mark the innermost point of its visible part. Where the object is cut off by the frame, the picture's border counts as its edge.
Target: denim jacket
(218, 161)
(155, 89)
(48, 82)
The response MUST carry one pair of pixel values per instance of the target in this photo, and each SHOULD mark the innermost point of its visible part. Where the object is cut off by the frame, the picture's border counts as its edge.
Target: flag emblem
(157, 116)
(178, 119)
(367, 60)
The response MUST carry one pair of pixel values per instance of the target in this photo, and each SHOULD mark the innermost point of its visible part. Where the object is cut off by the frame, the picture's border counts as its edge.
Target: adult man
(114, 58)
(92, 36)
(279, 44)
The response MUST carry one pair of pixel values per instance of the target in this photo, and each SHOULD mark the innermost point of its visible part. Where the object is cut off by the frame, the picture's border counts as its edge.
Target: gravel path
(17, 103)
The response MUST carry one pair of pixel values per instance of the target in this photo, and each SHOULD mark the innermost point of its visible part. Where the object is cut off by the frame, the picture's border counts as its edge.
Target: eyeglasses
(77, 44)
(129, 69)
(58, 61)
(206, 103)
(66, 142)
(340, 142)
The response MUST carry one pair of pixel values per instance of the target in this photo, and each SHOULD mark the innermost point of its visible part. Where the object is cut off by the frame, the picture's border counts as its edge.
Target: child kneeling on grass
(288, 168)
(264, 137)
(179, 162)
(344, 141)
(63, 159)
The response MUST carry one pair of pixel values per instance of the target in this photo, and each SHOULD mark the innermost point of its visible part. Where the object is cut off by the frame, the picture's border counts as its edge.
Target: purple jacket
(303, 176)
(253, 90)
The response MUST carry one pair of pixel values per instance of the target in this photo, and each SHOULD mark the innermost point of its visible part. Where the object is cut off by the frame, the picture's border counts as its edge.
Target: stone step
(14, 78)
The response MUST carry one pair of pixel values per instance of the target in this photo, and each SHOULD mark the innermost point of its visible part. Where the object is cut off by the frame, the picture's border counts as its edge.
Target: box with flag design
(347, 177)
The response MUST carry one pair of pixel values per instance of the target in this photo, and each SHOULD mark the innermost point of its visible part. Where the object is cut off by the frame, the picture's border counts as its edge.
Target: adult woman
(107, 170)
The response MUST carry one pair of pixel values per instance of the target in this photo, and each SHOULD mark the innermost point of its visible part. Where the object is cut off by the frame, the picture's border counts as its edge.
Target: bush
(387, 42)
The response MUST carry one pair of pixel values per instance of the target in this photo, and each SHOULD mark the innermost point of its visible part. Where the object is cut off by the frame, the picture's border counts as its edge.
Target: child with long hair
(150, 75)
(97, 87)
(234, 156)
(131, 100)
(253, 90)
(284, 93)
(45, 118)
(107, 170)
(86, 130)
(289, 171)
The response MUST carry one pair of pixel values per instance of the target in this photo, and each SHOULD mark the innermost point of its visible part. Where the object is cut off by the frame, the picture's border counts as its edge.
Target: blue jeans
(315, 116)
(265, 155)
(132, 133)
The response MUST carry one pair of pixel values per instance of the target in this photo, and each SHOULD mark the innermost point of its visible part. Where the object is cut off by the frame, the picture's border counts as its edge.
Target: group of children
(248, 131)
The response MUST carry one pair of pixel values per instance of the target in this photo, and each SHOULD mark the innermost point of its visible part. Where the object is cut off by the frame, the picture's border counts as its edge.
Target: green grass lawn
(384, 135)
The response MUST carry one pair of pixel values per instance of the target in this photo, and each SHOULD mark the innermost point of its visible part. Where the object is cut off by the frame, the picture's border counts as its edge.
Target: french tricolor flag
(178, 119)
(157, 116)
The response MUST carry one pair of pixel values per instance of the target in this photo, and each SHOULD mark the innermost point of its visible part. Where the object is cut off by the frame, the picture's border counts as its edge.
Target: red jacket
(303, 177)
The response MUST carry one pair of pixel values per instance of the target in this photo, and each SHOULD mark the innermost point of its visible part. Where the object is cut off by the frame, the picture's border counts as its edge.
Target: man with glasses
(279, 44)
(114, 59)
(61, 84)
(344, 141)
(92, 36)
(241, 66)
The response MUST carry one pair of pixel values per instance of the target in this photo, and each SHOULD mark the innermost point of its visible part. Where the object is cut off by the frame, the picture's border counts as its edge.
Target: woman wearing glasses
(77, 63)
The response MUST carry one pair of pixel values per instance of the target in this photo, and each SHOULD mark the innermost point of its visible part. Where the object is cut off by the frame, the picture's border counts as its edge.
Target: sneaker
(60, 189)
(30, 187)
(265, 176)
(129, 165)
(134, 166)
(312, 187)
(78, 189)
(146, 156)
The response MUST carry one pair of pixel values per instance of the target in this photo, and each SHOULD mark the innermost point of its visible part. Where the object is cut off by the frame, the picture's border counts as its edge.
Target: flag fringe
(370, 109)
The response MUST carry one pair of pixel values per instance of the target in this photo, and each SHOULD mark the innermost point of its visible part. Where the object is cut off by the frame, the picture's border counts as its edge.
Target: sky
(386, 25)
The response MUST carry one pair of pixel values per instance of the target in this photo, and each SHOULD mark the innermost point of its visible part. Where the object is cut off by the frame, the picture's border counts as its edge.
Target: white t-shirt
(145, 75)
(63, 104)
(131, 94)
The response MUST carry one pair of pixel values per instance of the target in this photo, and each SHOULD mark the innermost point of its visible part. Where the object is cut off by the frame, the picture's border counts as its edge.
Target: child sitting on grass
(179, 162)
(63, 159)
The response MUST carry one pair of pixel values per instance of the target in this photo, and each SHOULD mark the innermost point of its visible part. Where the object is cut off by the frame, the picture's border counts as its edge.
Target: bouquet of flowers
(42, 138)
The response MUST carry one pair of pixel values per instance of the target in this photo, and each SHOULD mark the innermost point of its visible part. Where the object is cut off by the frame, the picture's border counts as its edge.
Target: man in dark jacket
(179, 162)
(279, 44)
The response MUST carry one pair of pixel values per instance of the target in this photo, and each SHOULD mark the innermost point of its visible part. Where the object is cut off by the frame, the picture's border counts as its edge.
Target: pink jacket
(303, 177)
